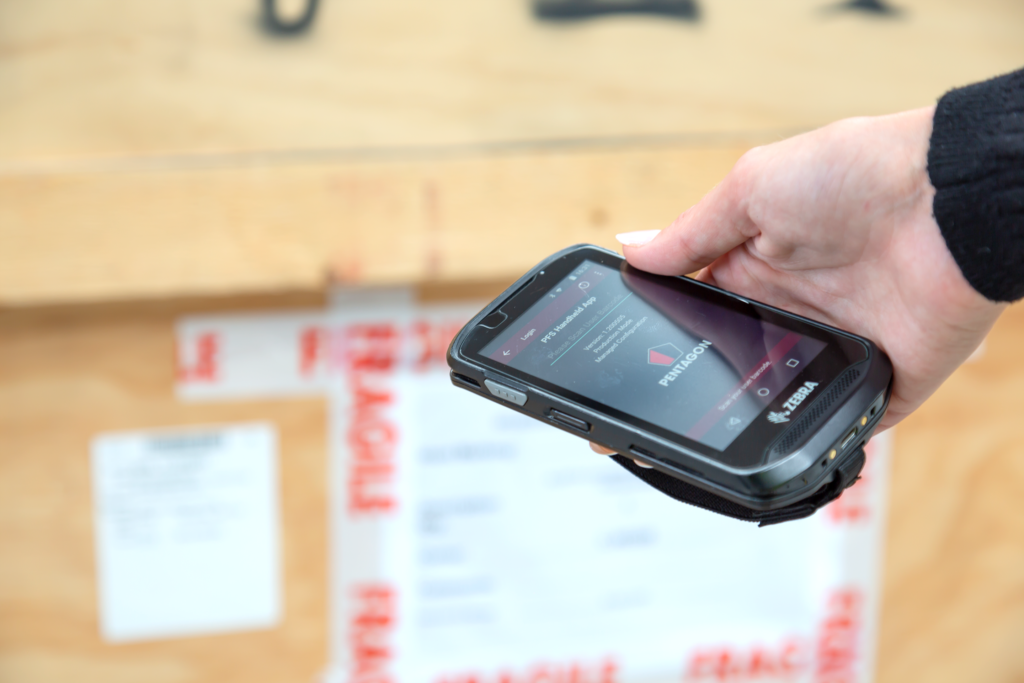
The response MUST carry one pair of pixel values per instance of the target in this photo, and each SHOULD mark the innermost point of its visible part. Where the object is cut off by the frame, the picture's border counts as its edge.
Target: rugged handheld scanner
(735, 406)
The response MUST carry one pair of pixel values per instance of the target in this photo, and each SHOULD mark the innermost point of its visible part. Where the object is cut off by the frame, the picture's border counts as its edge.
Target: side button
(569, 420)
(505, 393)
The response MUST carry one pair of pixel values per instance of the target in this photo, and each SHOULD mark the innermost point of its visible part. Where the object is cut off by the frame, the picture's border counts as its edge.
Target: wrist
(938, 294)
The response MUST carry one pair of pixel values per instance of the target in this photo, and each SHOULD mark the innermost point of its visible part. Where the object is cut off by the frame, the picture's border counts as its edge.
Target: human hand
(836, 225)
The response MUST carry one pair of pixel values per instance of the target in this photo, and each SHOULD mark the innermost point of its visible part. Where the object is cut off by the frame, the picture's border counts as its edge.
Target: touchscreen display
(640, 346)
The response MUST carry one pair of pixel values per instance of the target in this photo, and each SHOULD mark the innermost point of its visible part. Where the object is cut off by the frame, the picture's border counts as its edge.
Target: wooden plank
(68, 376)
(170, 148)
(953, 606)
(167, 149)
(185, 230)
(105, 77)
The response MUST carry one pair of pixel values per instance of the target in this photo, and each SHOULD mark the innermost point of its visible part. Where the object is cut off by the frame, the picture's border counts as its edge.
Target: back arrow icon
(507, 352)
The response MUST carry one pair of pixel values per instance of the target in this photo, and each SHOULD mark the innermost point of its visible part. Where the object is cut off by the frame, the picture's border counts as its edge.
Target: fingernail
(635, 239)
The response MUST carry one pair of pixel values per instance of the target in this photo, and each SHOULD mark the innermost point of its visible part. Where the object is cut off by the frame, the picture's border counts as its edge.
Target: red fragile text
(603, 671)
(371, 348)
(431, 339)
(312, 350)
(727, 663)
(372, 434)
(372, 626)
(837, 650)
(198, 361)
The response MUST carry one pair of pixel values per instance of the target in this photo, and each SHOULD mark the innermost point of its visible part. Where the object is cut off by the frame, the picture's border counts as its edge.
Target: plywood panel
(109, 77)
(171, 147)
(953, 607)
(168, 149)
(66, 377)
(130, 231)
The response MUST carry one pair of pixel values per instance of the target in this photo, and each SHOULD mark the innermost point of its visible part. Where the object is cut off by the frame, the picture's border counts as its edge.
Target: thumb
(707, 230)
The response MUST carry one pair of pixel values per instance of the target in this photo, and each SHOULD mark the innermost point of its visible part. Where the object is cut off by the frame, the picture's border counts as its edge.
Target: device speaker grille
(795, 436)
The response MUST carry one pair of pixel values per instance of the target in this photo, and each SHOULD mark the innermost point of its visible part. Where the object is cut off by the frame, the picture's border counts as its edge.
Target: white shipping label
(187, 531)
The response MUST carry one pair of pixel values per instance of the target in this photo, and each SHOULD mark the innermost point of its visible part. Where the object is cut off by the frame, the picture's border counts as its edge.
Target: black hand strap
(846, 474)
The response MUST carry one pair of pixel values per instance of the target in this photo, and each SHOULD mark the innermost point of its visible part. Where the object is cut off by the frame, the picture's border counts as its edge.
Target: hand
(836, 225)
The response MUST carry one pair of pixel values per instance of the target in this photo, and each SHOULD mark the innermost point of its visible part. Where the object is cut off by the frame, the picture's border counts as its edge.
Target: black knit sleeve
(976, 163)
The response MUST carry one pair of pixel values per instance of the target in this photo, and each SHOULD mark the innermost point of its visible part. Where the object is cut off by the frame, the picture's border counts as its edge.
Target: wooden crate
(165, 158)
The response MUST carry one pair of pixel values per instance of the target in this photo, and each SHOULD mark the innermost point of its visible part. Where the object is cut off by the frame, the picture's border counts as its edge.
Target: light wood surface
(195, 231)
(96, 78)
(171, 148)
(953, 607)
(67, 376)
(169, 155)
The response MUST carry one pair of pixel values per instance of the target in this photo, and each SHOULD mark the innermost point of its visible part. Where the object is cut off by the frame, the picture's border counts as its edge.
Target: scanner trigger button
(505, 393)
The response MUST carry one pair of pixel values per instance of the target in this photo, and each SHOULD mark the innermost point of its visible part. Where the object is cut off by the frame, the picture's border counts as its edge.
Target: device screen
(637, 344)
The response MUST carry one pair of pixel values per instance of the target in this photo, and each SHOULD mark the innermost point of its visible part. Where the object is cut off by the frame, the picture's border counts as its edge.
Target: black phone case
(697, 483)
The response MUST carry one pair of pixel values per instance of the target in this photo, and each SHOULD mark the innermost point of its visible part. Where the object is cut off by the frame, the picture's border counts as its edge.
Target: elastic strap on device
(846, 474)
